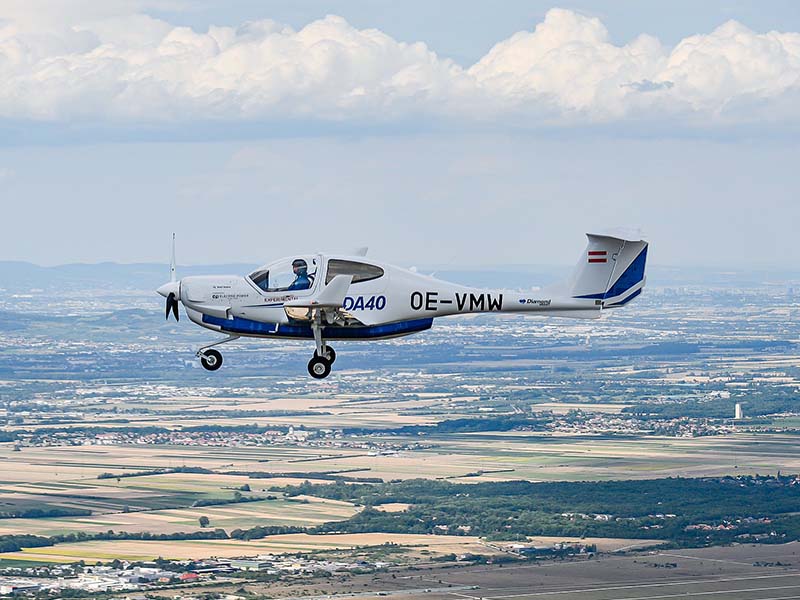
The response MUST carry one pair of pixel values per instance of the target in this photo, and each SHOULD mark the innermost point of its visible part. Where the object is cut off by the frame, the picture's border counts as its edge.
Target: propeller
(172, 305)
(171, 290)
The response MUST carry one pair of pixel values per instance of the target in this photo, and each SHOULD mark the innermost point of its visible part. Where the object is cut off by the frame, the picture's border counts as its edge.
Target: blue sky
(258, 129)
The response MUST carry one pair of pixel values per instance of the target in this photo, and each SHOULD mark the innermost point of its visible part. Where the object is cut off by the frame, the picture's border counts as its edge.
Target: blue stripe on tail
(632, 275)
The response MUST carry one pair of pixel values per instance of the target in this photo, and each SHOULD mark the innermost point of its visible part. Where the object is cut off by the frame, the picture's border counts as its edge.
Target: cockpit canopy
(286, 275)
(299, 273)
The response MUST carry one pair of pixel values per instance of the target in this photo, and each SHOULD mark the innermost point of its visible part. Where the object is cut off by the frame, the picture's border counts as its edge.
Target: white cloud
(121, 67)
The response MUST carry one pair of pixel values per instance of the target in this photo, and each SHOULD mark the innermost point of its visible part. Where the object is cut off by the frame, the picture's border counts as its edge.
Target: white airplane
(349, 297)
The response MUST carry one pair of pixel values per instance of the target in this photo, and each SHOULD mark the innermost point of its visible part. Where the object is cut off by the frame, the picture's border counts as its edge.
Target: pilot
(302, 281)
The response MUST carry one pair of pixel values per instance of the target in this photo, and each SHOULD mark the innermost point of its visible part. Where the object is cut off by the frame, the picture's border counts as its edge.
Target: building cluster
(532, 550)
(325, 438)
(128, 577)
(612, 424)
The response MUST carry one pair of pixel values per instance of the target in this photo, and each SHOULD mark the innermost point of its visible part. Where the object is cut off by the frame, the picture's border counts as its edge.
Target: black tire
(331, 357)
(211, 360)
(319, 368)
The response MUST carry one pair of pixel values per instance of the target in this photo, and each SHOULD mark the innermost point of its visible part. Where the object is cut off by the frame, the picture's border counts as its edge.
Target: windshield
(286, 275)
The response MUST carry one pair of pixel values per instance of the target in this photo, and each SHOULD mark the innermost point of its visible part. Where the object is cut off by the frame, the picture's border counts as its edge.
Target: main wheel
(330, 354)
(211, 360)
(319, 368)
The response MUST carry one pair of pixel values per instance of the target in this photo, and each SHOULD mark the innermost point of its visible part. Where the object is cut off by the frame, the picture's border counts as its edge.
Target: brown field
(731, 573)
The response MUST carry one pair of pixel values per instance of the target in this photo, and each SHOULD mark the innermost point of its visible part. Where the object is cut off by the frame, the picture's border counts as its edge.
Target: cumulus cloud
(131, 68)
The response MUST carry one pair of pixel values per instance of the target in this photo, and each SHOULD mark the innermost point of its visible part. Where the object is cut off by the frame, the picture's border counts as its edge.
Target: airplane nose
(168, 288)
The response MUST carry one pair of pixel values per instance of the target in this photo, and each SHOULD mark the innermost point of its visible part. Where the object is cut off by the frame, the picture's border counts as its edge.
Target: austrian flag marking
(598, 256)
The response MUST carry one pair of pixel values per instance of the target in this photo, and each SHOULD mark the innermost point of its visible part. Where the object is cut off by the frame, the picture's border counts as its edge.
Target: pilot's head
(299, 266)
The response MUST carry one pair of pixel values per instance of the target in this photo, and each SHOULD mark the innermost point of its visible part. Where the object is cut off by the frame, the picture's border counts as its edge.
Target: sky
(452, 133)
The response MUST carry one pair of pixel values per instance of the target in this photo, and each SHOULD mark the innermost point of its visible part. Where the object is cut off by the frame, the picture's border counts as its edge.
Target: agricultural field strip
(641, 586)
(285, 543)
(240, 515)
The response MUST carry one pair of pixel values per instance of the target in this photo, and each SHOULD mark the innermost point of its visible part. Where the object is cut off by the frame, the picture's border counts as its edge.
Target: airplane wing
(331, 296)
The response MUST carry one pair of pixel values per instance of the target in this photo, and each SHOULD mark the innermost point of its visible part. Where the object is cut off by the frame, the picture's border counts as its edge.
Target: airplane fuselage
(400, 302)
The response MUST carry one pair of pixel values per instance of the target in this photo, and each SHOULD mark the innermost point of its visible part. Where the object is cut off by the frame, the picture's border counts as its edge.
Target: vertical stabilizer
(610, 271)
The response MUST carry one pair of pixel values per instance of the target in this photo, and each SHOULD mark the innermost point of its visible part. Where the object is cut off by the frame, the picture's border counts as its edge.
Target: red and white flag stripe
(598, 256)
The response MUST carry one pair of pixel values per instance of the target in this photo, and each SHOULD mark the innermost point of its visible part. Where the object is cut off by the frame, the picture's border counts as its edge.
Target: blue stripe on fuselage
(250, 327)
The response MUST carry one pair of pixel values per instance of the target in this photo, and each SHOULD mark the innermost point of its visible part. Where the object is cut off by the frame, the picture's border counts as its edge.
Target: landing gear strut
(330, 356)
(319, 367)
(212, 359)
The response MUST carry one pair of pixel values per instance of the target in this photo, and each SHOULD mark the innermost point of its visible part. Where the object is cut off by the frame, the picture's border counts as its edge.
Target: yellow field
(196, 549)
(393, 507)
(228, 517)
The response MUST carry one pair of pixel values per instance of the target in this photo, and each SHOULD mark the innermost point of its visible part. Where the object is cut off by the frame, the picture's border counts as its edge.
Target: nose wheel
(211, 360)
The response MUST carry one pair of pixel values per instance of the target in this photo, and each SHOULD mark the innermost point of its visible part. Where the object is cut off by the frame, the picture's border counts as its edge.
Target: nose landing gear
(212, 359)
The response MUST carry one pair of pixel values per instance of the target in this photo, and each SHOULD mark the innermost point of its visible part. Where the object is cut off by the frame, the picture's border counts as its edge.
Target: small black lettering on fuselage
(430, 301)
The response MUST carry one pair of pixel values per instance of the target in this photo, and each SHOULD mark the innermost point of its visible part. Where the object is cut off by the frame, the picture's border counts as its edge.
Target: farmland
(115, 448)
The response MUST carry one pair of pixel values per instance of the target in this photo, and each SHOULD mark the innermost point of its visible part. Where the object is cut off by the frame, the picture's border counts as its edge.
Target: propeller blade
(172, 305)
(175, 309)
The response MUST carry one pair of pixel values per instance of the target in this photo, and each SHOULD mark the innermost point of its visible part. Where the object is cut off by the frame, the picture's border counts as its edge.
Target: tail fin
(611, 271)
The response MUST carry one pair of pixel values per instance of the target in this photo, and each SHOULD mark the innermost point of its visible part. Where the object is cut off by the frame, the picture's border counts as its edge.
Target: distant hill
(140, 276)
(16, 276)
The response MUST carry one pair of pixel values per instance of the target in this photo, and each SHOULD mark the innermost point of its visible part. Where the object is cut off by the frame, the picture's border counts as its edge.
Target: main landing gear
(212, 359)
(319, 367)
